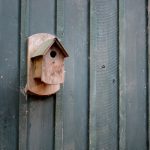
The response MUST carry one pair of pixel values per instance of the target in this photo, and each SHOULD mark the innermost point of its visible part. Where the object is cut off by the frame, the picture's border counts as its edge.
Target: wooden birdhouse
(45, 64)
(48, 62)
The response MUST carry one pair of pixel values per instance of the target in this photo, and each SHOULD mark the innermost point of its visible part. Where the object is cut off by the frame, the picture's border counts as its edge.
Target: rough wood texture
(23, 106)
(148, 76)
(40, 125)
(37, 67)
(45, 125)
(53, 68)
(72, 26)
(44, 47)
(71, 109)
(132, 56)
(41, 21)
(9, 74)
(59, 126)
(36, 86)
(103, 75)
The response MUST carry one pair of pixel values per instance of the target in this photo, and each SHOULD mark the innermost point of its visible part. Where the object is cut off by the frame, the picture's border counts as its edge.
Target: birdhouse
(46, 57)
(48, 62)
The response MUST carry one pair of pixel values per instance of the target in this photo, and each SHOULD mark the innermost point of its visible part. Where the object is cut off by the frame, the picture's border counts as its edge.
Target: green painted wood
(9, 74)
(148, 76)
(72, 101)
(40, 123)
(132, 56)
(103, 75)
(23, 105)
(59, 97)
(41, 110)
(42, 16)
(61, 122)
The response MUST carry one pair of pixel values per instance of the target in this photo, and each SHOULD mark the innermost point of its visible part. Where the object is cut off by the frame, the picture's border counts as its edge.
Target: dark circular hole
(53, 54)
(103, 66)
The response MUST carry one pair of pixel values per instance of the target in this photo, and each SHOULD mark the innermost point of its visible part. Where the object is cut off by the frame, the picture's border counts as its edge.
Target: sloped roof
(44, 47)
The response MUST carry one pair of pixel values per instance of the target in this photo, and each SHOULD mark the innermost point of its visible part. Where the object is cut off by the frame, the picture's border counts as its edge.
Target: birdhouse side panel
(53, 66)
(37, 67)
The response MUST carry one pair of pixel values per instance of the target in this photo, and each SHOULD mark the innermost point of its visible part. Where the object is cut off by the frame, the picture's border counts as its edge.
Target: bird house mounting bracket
(45, 64)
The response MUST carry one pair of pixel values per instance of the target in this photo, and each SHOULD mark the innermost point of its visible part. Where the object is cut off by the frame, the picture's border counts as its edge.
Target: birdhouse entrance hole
(53, 54)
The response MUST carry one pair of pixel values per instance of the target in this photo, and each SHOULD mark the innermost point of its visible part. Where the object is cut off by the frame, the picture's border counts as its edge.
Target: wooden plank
(59, 97)
(9, 74)
(132, 56)
(41, 110)
(42, 16)
(148, 40)
(103, 75)
(72, 102)
(40, 123)
(23, 106)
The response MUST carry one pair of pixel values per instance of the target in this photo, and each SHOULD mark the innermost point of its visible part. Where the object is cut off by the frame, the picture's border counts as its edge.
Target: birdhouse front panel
(53, 66)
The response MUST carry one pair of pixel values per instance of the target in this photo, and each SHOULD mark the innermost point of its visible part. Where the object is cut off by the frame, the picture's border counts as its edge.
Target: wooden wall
(9, 74)
(104, 102)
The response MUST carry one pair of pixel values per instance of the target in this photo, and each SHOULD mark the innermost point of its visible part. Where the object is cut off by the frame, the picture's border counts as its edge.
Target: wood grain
(40, 125)
(36, 86)
(53, 68)
(23, 104)
(103, 75)
(9, 74)
(132, 74)
(41, 21)
(73, 28)
(148, 76)
(37, 67)
(59, 125)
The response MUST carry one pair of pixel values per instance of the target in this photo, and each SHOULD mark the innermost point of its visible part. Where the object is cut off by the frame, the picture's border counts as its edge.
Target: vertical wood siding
(72, 27)
(9, 74)
(103, 75)
(133, 72)
(104, 103)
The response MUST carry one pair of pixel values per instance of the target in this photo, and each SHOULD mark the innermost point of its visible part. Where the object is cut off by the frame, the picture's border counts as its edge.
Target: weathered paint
(9, 74)
(132, 72)
(103, 75)
(85, 113)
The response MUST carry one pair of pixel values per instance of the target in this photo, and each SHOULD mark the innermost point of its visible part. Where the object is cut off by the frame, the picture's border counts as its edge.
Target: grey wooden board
(9, 74)
(148, 40)
(132, 75)
(23, 106)
(59, 98)
(103, 75)
(74, 29)
(41, 110)
(67, 117)
(42, 16)
(40, 123)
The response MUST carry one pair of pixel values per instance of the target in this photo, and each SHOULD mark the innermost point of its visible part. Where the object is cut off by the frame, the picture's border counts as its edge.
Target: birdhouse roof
(45, 46)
